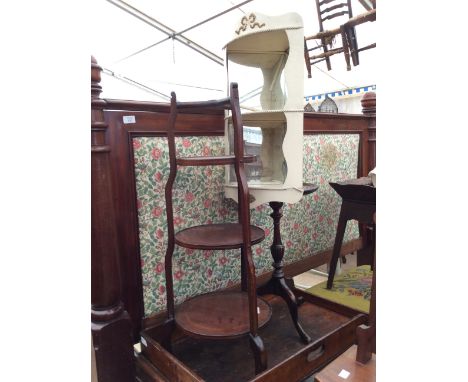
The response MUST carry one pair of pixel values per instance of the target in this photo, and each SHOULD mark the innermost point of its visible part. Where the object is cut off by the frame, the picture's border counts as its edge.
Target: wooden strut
(353, 21)
(348, 37)
(327, 54)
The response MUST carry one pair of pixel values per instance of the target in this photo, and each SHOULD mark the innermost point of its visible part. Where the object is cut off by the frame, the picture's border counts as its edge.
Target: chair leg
(345, 47)
(351, 34)
(325, 50)
(338, 242)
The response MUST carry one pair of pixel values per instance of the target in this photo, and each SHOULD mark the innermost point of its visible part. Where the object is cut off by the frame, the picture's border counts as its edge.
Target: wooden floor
(346, 366)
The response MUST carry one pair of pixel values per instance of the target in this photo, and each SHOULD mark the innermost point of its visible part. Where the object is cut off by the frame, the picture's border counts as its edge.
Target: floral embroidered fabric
(307, 227)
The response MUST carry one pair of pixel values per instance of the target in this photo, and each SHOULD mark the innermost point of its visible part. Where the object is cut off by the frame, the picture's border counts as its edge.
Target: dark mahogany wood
(366, 334)
(278, 284)
(369, 108)
(110, 323)
(332, 332)
(158, 107)
(217, 236)
(368, 103)
(219, 315)
(165, 362)
(210, 236)
(146, 372)
(209, 161)
(358, 203)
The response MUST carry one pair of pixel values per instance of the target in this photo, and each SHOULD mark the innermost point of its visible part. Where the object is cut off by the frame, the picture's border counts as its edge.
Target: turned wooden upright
(278, 284)
(110, 323)
(369, 107)
(368, 163)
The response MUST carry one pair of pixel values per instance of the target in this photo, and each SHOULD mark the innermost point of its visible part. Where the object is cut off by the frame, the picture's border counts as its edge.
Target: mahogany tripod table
(278, 284)
(359, 202)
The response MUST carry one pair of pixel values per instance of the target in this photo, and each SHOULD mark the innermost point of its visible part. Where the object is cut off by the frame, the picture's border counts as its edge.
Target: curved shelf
(310, 188)
(207, 161)
(217, 236)
(221, 315)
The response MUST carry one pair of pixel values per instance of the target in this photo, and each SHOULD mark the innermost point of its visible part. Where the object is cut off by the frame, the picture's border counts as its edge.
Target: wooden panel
(146, 372)
(127, 217)
(334, 123)
(155, 123)
(311, 358)
(166, 363)
(110, 323)
(150, 120)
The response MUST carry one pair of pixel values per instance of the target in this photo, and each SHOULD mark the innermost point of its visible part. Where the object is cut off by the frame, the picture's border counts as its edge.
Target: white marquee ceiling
(147, 64)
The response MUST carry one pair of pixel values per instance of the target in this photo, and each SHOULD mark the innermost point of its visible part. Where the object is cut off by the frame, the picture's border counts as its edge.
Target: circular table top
(219, 315)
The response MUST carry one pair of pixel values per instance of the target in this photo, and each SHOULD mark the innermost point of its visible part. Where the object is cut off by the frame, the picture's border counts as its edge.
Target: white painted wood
(275, 45)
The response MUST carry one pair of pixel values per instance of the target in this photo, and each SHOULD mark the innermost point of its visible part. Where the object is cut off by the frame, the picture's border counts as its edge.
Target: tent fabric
(142, 62)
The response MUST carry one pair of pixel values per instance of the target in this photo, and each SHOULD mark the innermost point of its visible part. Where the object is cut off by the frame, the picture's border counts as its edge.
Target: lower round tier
(219, 315)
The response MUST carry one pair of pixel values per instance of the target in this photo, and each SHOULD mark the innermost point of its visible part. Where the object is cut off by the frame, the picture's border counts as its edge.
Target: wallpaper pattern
(307, 227)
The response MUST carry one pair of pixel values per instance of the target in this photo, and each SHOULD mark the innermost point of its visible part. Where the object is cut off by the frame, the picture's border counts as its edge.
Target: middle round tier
(217, 236)
(219, 315)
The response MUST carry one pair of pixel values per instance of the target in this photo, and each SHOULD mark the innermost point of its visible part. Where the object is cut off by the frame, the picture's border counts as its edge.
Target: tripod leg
(337, 247)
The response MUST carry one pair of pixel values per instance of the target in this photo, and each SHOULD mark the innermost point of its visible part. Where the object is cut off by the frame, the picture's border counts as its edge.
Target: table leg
(343, 219)
(278, 285)
(365, 334)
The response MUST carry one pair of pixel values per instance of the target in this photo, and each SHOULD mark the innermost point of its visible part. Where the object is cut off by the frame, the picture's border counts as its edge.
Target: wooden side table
(278, 284)
(358, 203)
(359, 196)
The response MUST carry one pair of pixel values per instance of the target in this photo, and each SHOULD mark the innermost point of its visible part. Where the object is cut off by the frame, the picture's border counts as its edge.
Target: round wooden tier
(220, 315)
(217, 236)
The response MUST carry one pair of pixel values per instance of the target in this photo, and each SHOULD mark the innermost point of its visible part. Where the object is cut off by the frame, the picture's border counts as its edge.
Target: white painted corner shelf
(272, 105)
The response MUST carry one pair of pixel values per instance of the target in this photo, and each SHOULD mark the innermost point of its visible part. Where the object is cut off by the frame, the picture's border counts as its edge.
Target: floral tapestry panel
(307, 227)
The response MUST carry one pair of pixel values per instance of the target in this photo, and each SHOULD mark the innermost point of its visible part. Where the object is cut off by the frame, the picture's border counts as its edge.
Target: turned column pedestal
(111, 327)
(278, 284)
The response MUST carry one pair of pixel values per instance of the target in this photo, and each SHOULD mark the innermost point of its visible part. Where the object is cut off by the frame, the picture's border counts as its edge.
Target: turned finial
(369, 103)
(96, 88)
